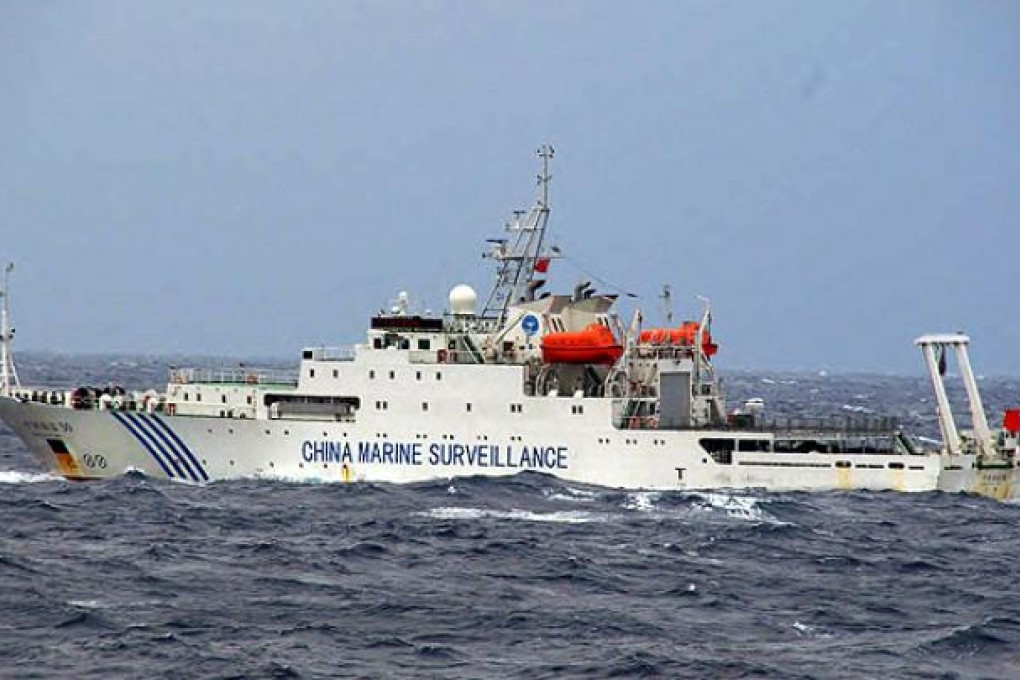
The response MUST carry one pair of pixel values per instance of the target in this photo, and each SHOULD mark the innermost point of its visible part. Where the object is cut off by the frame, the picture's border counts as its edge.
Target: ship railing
(109, 398)
(342, 353)
(442, 356)
(852, 425)
(648, 351)
(233, 376)
(54, 396)
(470, 324)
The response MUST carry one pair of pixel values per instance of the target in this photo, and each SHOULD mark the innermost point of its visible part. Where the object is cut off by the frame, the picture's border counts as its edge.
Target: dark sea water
(522, 577)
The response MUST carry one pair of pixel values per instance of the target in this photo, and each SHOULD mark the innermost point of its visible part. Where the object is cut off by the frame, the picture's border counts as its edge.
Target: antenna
(546, 153)
(667, 303)
(8, 374)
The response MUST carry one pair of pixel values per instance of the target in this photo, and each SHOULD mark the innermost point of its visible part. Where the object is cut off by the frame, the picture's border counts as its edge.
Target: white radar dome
(462, 300)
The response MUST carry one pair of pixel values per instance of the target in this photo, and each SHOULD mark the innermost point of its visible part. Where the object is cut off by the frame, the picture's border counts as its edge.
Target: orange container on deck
(594, 345)
(685, 335)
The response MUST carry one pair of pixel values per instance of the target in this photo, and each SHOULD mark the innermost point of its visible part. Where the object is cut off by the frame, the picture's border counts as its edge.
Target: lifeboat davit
(594, 345)
(685, 335)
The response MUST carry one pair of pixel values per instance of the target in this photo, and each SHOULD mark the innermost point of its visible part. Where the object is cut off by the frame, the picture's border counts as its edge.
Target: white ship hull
(102, 444)
(534, 381)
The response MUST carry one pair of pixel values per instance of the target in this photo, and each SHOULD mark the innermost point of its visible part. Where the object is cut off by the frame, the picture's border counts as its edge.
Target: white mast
(8, 374)
(517, 259)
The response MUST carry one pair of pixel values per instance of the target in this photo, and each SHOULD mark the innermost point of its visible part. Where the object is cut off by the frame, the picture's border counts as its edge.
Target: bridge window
(424, 343)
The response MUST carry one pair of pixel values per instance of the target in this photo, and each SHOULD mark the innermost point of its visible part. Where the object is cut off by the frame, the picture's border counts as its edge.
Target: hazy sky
(250, 177)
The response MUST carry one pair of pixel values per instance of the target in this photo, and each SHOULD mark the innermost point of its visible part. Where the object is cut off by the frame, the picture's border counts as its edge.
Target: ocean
(520, 577)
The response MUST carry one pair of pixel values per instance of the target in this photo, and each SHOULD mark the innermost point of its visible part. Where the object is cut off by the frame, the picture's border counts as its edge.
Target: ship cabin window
(516, 408)
(186, 396)
(336, 372)
(417, 375)
(424, 343)
(223, 398)
(711, 444)
(468, 407)
(307, 354)
(198, 396)
(393, 375)
(451, 345)
(311, 372)
(371, 375)
(424, 406)
(753, 445)
(577, 409)
(439, 376)
(377, 343)
(249, 400)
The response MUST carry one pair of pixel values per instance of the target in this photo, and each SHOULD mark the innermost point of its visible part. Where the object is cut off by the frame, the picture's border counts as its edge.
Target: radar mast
(8, 374)
(520, 256)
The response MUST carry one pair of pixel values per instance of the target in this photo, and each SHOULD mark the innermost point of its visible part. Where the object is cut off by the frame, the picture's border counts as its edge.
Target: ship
(525, 381)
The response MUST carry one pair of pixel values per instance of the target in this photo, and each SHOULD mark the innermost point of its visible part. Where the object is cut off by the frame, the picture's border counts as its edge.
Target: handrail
(233, 376)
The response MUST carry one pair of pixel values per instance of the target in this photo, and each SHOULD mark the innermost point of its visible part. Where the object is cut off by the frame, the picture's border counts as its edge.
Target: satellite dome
(462, 300)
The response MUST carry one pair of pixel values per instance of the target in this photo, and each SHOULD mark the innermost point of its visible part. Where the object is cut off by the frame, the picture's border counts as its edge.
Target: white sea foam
(18, 477)
(85, 604)
(569, 517)
(736, 506)
(854, 408)
(804, 630)
(642, 501)
(570, 495)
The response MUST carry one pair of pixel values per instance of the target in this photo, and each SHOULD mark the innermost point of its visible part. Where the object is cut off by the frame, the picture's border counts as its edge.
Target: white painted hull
(198, 449)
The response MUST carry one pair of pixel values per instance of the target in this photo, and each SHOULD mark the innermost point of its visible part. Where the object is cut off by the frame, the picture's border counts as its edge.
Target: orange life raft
(594, 345)
(686, 334)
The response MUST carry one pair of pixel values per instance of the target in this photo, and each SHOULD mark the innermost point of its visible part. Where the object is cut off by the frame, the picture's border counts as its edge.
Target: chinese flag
(542, 265)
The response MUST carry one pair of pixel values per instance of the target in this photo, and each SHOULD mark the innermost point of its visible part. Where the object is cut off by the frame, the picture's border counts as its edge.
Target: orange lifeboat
(594, 345)
(685, 335)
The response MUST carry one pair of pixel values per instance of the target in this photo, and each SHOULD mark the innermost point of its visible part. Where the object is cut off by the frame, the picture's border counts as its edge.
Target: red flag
(542, 265)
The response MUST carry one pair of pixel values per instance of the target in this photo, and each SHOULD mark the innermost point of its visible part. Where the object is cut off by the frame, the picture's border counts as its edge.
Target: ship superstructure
(553, 383)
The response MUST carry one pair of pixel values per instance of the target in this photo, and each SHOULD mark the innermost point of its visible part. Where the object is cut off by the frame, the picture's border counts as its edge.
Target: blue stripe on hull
(130, 427)
(167, 455)
(183, 447)
(159, 439)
